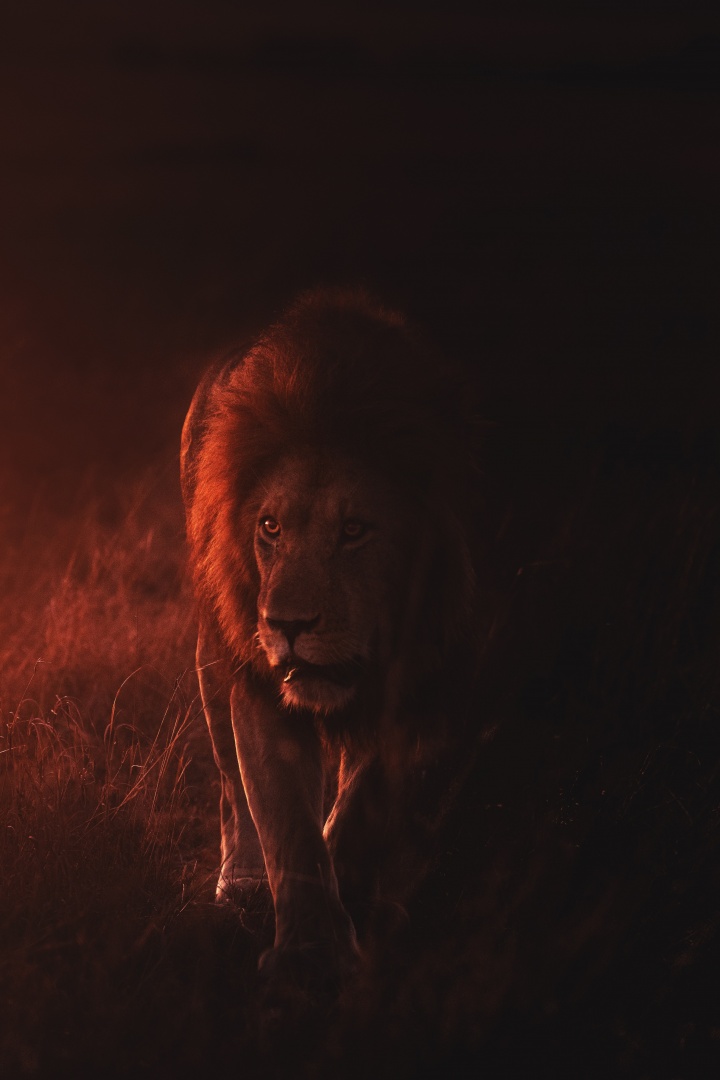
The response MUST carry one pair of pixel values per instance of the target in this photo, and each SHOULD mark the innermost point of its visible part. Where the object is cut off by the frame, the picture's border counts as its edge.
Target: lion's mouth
(299, 672)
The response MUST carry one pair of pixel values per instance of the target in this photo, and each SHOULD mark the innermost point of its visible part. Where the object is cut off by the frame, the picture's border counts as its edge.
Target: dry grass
(104, 838)
(94, 595)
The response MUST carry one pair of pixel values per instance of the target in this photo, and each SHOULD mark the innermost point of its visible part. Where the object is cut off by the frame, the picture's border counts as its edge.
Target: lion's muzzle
(321, 688)
(298, 671)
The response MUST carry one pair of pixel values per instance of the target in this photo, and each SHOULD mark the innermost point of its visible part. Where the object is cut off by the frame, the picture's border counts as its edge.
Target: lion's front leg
(357, 831)
(242, 866)
(382, 831)
(281, 765)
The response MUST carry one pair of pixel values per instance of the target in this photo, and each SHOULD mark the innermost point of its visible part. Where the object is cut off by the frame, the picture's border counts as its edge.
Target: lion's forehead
(314, 488)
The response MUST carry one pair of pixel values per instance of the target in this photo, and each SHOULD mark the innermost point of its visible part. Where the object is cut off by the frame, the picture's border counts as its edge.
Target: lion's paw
(239, 887)
(249, 895)
(301, 980)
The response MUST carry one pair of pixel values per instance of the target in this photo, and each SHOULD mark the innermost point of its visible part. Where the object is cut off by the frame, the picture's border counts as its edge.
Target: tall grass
(104, 831)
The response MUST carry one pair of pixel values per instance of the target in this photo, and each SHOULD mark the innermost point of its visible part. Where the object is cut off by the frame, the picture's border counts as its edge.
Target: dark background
(537, 184)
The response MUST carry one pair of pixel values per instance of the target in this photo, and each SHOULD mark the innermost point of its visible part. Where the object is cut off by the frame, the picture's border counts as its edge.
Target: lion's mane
(340, 372)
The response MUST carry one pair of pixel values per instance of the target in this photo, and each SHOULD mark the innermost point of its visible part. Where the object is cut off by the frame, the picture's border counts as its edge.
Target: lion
(327, 482)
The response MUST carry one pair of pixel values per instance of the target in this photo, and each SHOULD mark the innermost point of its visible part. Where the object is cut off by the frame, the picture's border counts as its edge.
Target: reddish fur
(338, 371)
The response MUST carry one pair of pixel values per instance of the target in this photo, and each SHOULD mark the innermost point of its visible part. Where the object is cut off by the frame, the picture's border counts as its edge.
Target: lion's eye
(353, 530)
(270, 528)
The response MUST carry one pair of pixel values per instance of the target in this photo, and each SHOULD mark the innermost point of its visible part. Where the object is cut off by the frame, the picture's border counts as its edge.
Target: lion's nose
(292, 628)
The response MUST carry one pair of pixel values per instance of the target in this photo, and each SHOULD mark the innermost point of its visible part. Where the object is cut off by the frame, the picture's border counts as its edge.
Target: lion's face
(329, 539)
